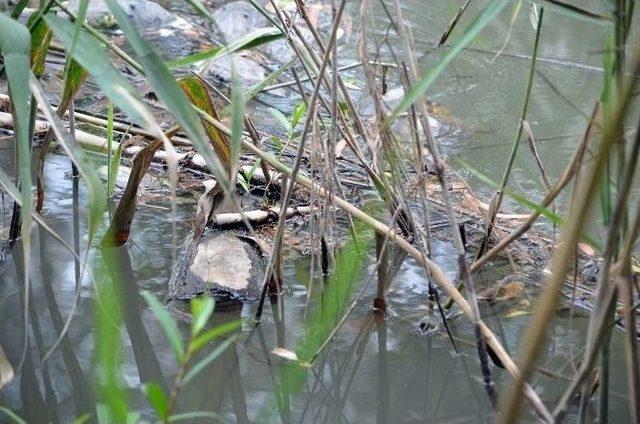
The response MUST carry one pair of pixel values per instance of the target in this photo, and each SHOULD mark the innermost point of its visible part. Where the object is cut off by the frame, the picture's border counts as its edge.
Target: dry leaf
(516, 313)
(586, 249)
(340, 146)
(285, 354)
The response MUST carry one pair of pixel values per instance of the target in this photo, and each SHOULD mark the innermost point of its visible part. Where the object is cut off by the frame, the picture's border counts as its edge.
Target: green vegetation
(406, 173)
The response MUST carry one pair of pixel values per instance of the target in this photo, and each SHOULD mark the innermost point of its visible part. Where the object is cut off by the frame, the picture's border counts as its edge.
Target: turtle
(225, 263)
(222, 263)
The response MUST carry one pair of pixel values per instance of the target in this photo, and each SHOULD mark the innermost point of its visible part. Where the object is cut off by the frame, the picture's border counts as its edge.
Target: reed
(325, 132)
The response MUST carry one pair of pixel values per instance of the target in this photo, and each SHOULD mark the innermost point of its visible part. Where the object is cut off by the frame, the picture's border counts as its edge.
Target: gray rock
(146, 14)
(248, 71)
(391, 100)
(280, 50)
(237, 19)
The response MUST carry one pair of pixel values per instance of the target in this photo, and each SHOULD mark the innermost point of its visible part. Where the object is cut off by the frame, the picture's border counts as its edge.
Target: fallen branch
(257, 216)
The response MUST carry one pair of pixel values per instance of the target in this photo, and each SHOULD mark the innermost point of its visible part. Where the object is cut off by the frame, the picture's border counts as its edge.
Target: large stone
(237, 19)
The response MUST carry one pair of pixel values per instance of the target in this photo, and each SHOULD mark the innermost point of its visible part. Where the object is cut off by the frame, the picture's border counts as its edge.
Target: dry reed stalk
(534, 336)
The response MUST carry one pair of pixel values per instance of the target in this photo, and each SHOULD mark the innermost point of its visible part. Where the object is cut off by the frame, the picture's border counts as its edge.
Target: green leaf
(201, 309)
(168, 325)
(253, 91)
(8, 412)
(199, 342)
(156, 397)
(93, 57)
(197, 368)
(298, 112)
(17, 10)
(169, 92)
(15, 44)
(85, 418)
(253, 39)
(281, 118)
(421, 86)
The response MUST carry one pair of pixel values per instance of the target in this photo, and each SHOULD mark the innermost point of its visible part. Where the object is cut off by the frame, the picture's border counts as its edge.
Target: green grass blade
(169, 92)
(253, 91)
(112, 401)
(15, 44)
(212, 356)
(281, 118)
(157, 398)
(19, 7)
(201, 309)
(168, 325)
(253, 39)
(200, 341)
(548, 213)
(14, 417)
(421, 86)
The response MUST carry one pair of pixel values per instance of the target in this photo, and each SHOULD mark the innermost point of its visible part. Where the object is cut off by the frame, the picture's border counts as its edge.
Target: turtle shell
(219, 263)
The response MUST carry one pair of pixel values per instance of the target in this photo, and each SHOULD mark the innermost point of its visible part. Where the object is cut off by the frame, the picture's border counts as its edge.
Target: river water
(378, 369)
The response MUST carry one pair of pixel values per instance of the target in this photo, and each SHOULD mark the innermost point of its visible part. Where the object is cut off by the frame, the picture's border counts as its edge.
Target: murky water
(376, 370)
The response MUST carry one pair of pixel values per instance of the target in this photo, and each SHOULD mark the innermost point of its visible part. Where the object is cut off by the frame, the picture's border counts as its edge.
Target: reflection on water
(377, 369)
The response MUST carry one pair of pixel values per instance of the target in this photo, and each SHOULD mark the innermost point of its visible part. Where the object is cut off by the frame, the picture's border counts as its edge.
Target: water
(376, 370)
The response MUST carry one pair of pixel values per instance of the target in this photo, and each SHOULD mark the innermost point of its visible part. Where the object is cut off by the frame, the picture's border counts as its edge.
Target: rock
(221, 264)
(121, 179)
(248, 71)
(237, 19)
(391, 100)
(280, 50)
(144, 13)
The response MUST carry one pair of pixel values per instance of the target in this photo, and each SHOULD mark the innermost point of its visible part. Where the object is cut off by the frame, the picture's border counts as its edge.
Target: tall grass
(377, 150)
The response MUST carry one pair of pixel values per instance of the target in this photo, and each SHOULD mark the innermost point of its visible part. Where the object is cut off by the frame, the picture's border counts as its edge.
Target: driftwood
(256, 217)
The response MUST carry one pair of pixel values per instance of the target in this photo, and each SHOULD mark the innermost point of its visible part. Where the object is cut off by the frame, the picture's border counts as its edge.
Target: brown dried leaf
(285, 354)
